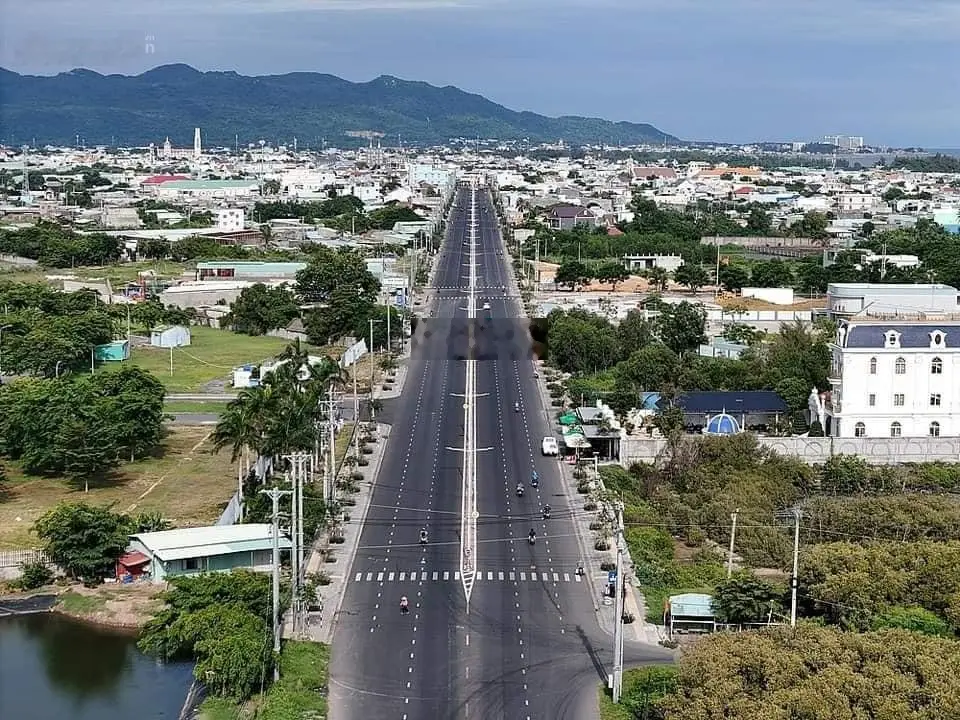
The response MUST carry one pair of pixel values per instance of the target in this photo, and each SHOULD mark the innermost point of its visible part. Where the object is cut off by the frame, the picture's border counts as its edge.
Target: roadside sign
(612, 576)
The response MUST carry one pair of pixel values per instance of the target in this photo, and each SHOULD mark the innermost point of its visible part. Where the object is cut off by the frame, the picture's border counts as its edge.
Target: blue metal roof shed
(749, 402)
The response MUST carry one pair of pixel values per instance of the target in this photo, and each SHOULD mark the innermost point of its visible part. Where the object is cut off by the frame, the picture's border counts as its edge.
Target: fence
(13, 558)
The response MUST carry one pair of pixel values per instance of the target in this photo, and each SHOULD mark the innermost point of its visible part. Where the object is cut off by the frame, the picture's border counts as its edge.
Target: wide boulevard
(515, 636)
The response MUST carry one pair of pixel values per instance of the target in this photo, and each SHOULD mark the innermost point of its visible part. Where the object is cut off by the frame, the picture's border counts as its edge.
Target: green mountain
(172, 100)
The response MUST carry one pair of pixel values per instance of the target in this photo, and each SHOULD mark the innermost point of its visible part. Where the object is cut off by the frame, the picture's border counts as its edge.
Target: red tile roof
(158, 179)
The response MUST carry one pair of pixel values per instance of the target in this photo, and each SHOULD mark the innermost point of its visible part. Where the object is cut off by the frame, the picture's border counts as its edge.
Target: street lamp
(2, 328)
(372, 322)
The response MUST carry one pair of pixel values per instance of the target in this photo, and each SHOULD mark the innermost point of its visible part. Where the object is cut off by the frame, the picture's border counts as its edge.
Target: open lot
(187, 484)
(118, 275)
(207, 364)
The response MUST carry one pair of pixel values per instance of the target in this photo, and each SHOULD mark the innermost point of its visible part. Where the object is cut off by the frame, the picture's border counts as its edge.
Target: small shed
(116, 351)
(214, 548)
(170, 336)
(689, 612)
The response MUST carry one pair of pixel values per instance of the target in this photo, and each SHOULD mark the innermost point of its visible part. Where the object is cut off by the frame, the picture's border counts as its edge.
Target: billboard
(353, 353)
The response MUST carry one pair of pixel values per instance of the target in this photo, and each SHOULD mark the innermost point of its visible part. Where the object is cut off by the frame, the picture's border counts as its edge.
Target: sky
(724, 70)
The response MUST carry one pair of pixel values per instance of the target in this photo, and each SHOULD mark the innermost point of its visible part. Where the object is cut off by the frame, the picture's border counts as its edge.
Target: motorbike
(423, 537)
(546, 512)
(532, 539)
(404, 606)
(519, 492)
(516, 407)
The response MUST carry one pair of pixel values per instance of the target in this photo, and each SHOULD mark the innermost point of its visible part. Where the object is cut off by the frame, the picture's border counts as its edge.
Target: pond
(53, 667)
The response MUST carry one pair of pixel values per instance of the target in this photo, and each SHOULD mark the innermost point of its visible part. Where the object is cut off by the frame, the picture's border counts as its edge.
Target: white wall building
(230, 219)
(895, 379)
(891, 299)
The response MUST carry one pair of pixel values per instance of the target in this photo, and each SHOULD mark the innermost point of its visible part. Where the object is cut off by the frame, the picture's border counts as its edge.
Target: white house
(170, 336)
(895, 378)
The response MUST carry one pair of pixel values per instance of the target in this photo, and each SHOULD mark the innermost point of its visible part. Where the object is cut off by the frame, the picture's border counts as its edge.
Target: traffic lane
(370, 626)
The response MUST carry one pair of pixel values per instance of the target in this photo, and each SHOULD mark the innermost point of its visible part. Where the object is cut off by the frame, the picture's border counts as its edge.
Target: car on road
(549, 446)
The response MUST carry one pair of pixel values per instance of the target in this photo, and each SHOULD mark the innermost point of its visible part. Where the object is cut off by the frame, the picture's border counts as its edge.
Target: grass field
(211, 356)
(118, 275)
(187, 484)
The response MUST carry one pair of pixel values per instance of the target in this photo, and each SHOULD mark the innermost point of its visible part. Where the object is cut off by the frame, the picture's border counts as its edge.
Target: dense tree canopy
(83, 425)
(55, 246)
(260, 309)
(817, 673)
(84, 540)
(221, 620)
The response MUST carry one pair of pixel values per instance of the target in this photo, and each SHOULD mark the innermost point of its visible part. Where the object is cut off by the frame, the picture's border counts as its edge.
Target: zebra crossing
(417, 576)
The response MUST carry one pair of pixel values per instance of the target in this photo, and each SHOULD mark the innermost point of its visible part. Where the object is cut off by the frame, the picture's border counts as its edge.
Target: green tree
(260, 309)
(86, 448)
(733, 278)
(915, 619)
(613, 273)
(648, 369)
(658, 278)
(84, 540)
(744, 598)
(572, 273)
(634, 332)
(581, 341)
(681, 326)
(771, 274)
(153, 248)
(692, 276)
(329, 270)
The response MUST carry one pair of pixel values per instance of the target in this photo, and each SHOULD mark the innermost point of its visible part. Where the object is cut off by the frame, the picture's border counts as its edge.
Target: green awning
(569, 419)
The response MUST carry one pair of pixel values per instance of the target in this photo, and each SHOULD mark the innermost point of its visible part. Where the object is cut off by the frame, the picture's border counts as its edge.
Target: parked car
(549, 446)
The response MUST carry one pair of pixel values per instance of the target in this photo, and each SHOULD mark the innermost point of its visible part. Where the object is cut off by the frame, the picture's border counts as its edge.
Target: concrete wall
(814, 450)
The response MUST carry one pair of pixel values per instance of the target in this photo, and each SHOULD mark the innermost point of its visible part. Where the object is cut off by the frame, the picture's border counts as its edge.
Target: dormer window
(892, 339)
(937, 339)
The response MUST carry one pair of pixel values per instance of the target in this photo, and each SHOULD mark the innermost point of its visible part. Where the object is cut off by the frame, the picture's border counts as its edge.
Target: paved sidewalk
(320, 625)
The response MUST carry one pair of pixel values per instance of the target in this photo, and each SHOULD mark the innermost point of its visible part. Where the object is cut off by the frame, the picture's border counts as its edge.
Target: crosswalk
(454, 576)
(461, 288)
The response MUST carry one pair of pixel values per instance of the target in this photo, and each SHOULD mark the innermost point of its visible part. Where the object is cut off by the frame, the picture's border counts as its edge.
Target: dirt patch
(728, 303)
(114, 605)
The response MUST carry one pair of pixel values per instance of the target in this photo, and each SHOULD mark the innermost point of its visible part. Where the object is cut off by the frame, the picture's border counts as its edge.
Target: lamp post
(372, 322)
(2, 328)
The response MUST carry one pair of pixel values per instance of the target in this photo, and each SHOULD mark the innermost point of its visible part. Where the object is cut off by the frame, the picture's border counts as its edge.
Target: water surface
(56, 668)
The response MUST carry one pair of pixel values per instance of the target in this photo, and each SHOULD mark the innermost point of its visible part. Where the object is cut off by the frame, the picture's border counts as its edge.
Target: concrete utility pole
(332, 434)
(733, 536)
(617, 684)
(796, 566)
(274, 494)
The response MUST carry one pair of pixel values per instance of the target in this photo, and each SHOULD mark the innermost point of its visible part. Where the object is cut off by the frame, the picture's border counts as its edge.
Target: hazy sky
(734, 70)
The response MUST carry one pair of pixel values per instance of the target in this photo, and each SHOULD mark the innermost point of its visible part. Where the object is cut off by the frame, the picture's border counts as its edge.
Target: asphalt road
(529, 645)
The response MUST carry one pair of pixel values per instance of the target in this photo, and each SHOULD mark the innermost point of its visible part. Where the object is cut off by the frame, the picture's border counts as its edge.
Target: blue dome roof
(722, 424)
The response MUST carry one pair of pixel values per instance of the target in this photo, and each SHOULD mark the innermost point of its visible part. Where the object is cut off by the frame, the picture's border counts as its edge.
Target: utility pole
(617, 688)
(275, 494)
(796, 566)
(332, 435)
(733, 536)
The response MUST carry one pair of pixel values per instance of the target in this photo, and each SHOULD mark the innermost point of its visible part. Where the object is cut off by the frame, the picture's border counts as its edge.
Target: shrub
(356, 476)
(336, 540)
(590, 506)
(601, 545)
(556, 403)
(362, 462)
(608, 566)
(349, 501)
(367, 450)
(627, 618)
(35, 575)
(595, 525)
(583, 487)
(321, 578)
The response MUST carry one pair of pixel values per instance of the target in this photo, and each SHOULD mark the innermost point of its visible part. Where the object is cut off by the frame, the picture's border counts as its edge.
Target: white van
(549, 446)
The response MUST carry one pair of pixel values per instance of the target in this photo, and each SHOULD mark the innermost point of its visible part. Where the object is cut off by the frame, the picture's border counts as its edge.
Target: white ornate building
(895, 378)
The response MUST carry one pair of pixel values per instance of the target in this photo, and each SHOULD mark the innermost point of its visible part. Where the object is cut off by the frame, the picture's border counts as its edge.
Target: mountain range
(171, 100)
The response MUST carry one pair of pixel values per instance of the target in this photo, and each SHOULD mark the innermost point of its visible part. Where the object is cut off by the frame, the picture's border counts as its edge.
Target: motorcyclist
(520, 489)
(516, 407)
(404, 604)
(532, 537)
(546, 512)
(534, 479)
(423, 535)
